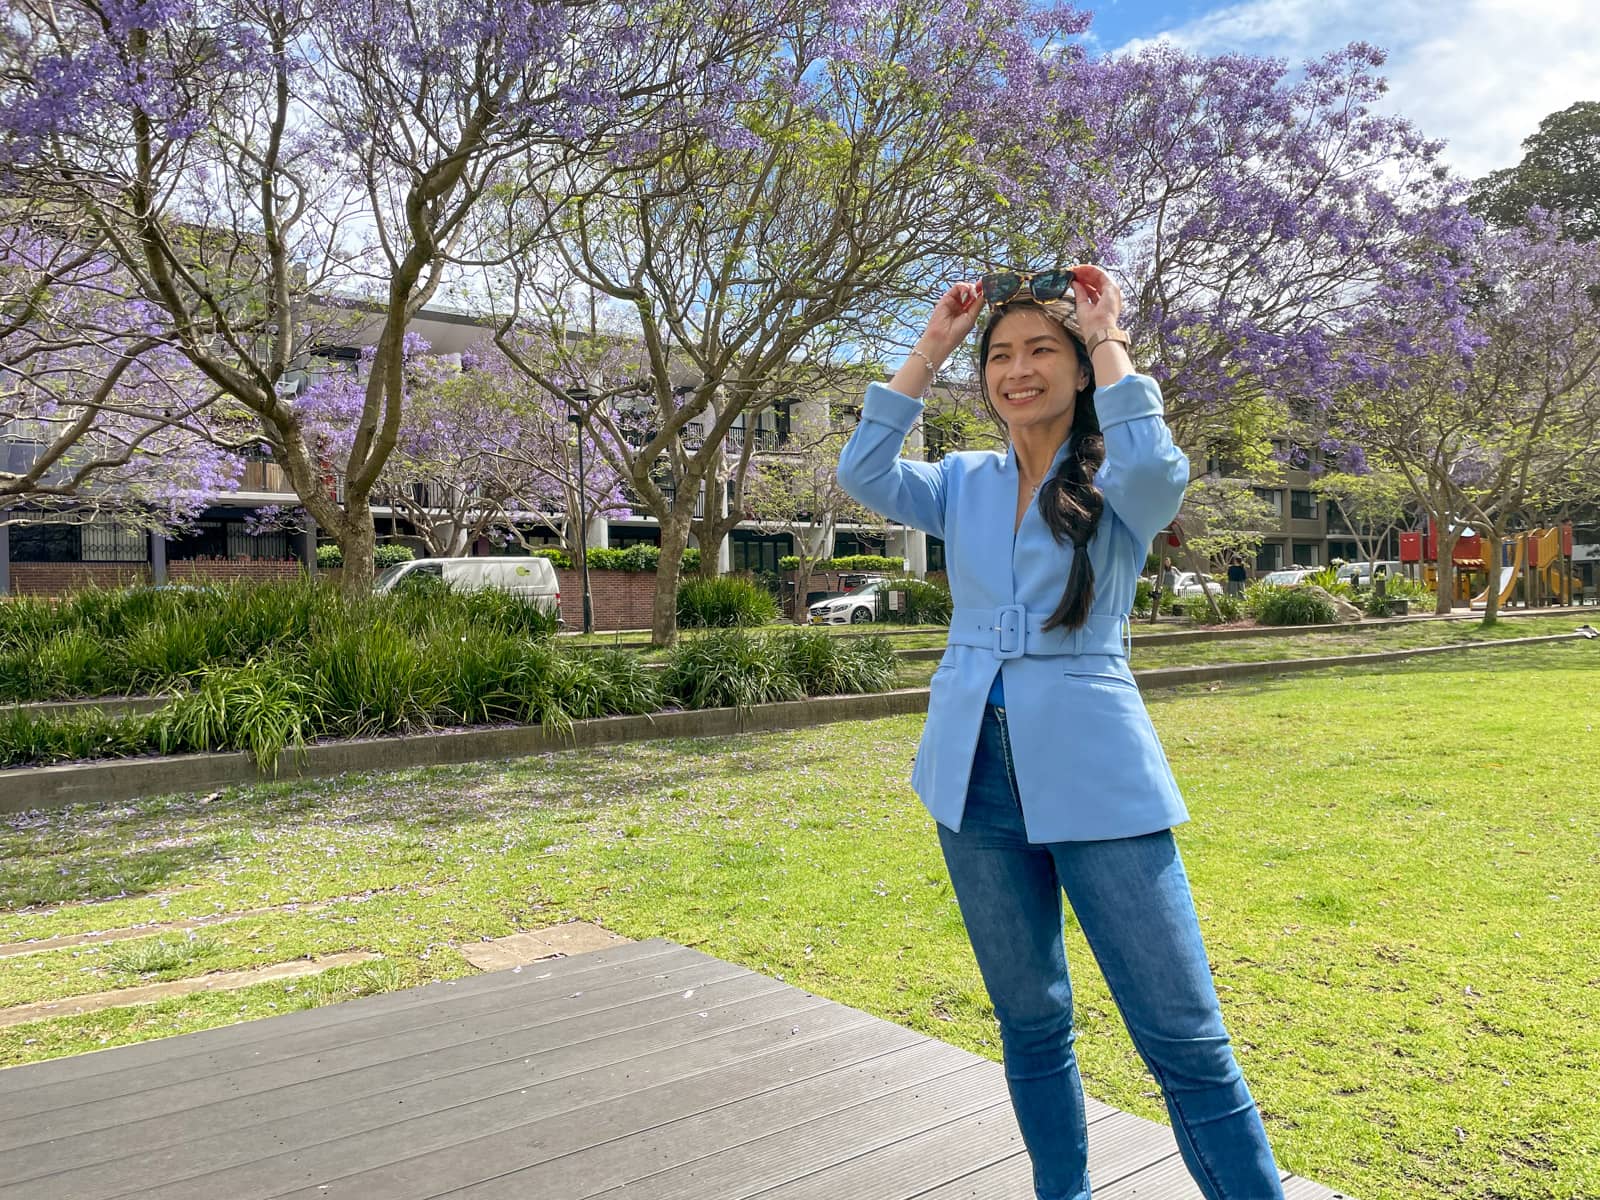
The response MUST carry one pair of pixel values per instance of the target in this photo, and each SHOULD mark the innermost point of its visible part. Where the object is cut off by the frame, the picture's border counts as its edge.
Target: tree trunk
(664, 606)
(1491, 597)
(357, 540)
(1444, 567)
(1197, 565)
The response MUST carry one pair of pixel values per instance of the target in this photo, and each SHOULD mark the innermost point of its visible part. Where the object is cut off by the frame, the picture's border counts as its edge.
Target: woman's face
(1032, 370)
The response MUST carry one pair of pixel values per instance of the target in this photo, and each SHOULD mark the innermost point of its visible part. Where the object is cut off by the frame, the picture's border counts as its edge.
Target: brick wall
(622, 599)
(60, 578)
(260, 570)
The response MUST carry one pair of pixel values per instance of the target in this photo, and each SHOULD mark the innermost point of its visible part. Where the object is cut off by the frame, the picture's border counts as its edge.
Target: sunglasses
(1001, 287)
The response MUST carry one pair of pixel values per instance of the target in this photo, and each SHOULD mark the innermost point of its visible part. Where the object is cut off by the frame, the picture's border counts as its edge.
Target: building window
(758, 553)
(1302, 505)
(110, 541)
(1305, 554)
(51, 540)
(620, 537)
(1269, 556)
(242, 544)
(1336, 521)
(935, 553)
(1272, 498)
(1348, 551)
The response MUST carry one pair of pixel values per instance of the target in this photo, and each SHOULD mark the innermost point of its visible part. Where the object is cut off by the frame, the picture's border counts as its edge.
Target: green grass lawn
(1395, 867)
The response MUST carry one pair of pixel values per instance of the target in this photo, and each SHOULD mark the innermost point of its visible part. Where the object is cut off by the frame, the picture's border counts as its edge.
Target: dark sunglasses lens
(1051, 285)
(1001, 286)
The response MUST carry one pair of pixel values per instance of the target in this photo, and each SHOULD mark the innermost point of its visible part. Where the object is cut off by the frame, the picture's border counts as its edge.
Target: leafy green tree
(1559, 172)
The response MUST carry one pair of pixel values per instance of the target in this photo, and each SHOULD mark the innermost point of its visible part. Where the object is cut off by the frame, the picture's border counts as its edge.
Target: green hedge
(638, 558)
(854, 562)
(385, 555)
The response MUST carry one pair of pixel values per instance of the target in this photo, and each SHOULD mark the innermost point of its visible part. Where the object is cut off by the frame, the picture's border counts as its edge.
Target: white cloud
(1479, 73)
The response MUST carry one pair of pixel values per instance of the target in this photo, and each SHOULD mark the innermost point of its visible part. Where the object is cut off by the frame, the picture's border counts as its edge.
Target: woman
(1038, 759)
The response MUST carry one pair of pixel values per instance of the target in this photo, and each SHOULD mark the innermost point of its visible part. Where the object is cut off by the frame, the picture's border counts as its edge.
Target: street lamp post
(579, 398)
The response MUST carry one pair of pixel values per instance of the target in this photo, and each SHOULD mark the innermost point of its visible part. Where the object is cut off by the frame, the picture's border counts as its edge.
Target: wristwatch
(1102, 336)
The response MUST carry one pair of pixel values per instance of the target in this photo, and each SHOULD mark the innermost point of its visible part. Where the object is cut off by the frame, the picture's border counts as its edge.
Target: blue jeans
(1132, 900)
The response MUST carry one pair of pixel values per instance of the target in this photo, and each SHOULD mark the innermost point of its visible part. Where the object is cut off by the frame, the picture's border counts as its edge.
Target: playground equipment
(1534, 567)
(1537, 561)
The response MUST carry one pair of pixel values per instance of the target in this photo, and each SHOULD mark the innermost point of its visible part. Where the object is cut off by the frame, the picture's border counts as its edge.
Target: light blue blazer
(1087, 760)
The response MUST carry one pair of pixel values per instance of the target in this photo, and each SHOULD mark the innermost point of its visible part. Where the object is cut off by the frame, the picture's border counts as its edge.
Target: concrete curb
(118, 780)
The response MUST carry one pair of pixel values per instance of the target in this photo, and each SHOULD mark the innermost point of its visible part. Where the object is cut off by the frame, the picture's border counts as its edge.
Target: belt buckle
(1011, 623)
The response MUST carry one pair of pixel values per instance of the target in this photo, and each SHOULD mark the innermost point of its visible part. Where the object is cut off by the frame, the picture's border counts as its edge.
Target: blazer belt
(1012, 631)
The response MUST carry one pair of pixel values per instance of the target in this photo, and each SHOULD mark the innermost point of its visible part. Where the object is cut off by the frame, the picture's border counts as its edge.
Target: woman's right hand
(952, 319)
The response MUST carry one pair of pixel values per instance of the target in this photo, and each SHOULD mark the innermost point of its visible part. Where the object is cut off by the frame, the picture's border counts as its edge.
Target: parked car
(1359, 574)
(1289, 576)
(534, 578)
(854, 608)
(1192, 583)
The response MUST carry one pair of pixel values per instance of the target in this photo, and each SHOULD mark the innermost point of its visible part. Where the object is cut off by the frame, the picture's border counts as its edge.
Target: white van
(530, 577)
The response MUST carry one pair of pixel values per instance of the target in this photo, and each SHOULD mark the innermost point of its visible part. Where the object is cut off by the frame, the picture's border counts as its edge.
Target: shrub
(1198, 611)
(1328, 580)
(330, 557)
(373, 678)
(28, 739)
(728, 668)
(391, 555)
(723, 601)
(605, 683)
(1295, 606)
(263, 707)
(643, 557)
(835, 666)
(1142, 592)
(924, 603)
(558, 556)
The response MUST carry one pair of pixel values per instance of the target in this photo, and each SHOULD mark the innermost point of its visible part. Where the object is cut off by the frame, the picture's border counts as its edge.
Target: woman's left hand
(1098, 297)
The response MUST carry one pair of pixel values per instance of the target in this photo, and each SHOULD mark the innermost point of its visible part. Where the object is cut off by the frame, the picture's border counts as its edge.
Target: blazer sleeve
(872, 471)
(1144, 475)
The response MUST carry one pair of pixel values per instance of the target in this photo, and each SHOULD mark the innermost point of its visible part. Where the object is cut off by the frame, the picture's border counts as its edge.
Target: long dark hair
(1069, 502)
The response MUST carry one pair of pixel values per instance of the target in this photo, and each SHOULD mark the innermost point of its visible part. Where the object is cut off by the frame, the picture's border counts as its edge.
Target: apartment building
(53, 555)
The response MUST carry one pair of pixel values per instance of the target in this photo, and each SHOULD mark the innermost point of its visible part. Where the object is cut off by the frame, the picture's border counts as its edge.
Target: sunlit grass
(1395, 869)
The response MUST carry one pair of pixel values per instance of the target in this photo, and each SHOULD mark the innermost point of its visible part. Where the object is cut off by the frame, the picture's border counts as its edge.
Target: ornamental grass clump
(374, 679)
(262, 707)
(922, 603)
(729, 668)
(835, 666)
(724, 601)
(29, 739)
(605, 683)
(1296, 606)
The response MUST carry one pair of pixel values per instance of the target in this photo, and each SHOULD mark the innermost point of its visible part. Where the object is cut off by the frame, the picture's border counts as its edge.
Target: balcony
(264, 477)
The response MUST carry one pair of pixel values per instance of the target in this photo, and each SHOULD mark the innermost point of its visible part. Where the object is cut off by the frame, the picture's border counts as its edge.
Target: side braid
(1071, 506)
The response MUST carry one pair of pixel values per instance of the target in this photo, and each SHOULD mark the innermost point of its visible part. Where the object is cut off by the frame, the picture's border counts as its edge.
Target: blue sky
(1478, 73)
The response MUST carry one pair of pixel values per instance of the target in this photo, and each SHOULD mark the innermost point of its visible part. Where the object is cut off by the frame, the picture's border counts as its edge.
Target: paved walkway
(646, 1070)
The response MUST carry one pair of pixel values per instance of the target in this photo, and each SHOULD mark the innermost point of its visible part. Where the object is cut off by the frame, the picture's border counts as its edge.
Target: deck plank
(643, 1070)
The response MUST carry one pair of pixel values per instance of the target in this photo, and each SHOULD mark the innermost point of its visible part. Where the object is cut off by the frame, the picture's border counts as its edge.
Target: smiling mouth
(1024, 395)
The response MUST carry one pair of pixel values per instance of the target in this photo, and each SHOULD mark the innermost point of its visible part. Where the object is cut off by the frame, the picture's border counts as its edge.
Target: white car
(1191, 583)
(1289, 576)
(1360, 573)
(859, 607)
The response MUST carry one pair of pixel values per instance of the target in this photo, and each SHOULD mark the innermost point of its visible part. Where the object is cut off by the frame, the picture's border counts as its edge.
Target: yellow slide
(1507, 575)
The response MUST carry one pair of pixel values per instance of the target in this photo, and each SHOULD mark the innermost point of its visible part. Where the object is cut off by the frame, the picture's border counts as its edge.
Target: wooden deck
(647, 1071)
